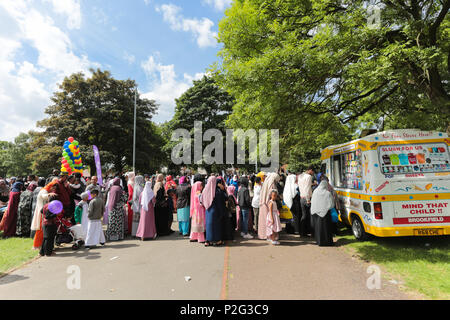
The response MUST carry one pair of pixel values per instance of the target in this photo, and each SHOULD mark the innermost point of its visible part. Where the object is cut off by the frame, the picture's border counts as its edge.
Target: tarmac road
(156, 269)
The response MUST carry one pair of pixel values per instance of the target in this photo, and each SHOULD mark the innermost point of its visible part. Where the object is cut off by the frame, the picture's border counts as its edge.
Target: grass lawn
(14, 252)
(421, 263)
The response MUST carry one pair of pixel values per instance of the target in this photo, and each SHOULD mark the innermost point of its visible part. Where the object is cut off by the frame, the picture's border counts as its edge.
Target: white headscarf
(290, 190)
(147, 195)
(322, 200)
(137, 190)
(266, 189)
(131, 176)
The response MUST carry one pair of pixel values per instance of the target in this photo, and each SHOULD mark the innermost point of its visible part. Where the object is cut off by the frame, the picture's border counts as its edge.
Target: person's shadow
(10, 278)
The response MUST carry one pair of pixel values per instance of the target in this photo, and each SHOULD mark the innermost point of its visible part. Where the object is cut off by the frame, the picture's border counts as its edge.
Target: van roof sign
(370, 142)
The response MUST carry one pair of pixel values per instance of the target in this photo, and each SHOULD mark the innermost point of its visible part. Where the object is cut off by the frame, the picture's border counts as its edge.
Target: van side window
(347, 170)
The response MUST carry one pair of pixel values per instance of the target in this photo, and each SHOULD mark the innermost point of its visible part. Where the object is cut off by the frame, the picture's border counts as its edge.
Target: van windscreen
(414, 158)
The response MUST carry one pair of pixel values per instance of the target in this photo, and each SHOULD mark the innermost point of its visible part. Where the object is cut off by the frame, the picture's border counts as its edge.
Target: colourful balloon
(71, 139)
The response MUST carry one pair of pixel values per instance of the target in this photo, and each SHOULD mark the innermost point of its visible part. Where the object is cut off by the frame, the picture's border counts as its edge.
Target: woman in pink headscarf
(197, 213)
(231, 191)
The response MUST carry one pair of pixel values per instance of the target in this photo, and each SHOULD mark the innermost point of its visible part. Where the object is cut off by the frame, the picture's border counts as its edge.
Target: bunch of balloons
(71, 161)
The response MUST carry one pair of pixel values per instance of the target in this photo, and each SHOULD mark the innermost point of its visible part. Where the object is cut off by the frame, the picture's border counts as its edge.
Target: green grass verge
(422, 263)
(14, 252)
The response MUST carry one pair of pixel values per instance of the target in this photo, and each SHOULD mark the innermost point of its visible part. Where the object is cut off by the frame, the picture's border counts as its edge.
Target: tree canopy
(15, 157)
(205, 102)
(319, 70)
(98, 110)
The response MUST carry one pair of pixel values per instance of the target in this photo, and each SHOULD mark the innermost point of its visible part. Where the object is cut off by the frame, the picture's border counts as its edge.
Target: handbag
(334, 215)
(285, 213)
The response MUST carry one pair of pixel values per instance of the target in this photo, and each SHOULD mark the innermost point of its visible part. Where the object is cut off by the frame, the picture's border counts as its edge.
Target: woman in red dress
(131, 178)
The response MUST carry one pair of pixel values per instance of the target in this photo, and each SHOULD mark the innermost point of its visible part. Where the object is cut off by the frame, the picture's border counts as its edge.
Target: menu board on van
(414, 158)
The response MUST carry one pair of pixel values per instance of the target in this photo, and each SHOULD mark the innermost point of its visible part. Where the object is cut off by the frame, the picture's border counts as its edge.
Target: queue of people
(209, 210)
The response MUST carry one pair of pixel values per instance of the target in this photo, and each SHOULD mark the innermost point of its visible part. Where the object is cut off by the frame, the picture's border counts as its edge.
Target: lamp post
(134, 132)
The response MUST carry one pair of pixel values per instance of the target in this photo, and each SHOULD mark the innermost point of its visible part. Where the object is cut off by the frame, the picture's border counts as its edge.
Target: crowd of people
(210, 209)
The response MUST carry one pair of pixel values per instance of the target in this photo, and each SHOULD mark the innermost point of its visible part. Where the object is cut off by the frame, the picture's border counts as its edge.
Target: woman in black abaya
(321, 204)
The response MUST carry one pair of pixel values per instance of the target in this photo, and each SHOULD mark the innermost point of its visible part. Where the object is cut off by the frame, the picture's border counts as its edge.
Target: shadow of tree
(9, 278)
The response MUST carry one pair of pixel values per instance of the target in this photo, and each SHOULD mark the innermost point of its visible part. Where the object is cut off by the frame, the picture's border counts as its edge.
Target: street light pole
(134, 132)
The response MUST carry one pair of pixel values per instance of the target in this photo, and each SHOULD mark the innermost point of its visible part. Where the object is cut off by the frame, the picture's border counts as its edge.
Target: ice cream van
(392, 183)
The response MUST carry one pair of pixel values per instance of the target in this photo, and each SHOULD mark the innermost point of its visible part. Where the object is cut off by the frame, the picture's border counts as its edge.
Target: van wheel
(358, 229)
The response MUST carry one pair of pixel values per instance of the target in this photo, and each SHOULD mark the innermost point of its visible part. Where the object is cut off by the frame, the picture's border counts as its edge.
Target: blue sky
(162, 44)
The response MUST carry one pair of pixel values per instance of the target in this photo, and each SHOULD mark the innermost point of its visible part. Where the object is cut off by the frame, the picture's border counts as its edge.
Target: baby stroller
(66, 233)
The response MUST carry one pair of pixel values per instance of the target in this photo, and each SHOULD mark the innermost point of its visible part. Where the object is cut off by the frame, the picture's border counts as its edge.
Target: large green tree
(204, 102)
(99, 110)
(333, 65)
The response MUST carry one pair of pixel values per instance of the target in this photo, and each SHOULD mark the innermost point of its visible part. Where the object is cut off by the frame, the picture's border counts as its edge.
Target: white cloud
(147, 2)
(201, 29)
(24, 94)
(129, 58)
(70, 8)
(219, 5)
(165, 86)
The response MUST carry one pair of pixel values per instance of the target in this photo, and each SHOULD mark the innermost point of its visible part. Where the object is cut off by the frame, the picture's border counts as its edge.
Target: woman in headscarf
(197, 214)
(213, 199)
(9, 220)
(147, 227)
(131, 179)
(183, 206)
(4, 191)
(231, 222)
(321, 203)
(24, 215)
(262, 175)
(116, 209)
(40, 185)
(42, 199)
(139, 184)
(269, 184)
(291, 197)
(235, 182)
(171, 185)
(162, 210)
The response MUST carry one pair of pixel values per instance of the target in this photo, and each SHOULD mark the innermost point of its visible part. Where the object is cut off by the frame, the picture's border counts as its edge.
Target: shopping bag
(285, 213)
(334, 215)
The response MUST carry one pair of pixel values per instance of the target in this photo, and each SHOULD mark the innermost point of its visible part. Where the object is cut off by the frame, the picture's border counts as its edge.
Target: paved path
(299, 269)
(156, 269)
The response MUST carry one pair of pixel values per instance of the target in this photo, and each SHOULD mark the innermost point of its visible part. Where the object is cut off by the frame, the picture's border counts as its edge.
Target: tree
(15, 157)
(205, 102)
(98, 111)
(320, 61)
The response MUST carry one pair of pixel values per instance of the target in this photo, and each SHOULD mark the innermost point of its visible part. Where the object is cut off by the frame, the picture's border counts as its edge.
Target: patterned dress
(116, 226)
(24, 214)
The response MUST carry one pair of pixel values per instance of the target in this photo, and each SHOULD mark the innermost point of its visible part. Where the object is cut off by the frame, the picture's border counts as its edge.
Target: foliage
(317, 63)
(205, 102)
(15, 156)
(98, 111)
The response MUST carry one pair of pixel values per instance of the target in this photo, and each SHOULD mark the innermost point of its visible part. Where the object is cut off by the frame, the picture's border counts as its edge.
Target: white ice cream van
(393, 183)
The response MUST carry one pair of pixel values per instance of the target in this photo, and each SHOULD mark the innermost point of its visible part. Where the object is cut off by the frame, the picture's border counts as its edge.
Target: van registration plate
(428, 232)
